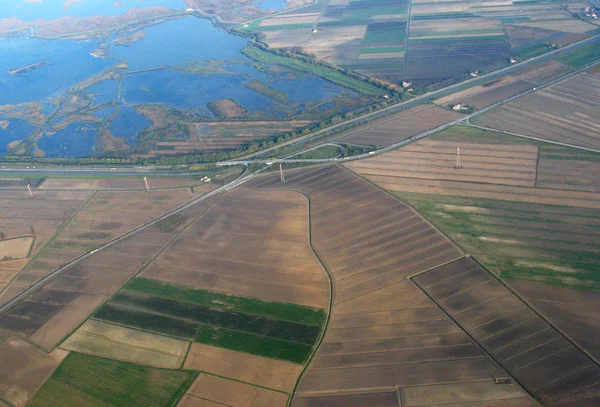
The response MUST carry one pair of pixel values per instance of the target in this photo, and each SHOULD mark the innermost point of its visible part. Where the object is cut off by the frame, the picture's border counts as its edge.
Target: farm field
(428, 44)
(251, 243)
(125, 183)
(481, 96)
(24, 369)
(116, 342)
(213, 136)
(400, 126)
(91, 381)
(520, 207)
(541, 358)
(240, 324)
(572, 311)
(43, 216)
(95, 224)
(433, 160)
(565, 112)
(15, 248)
(432, 61)
(531, 242)
(383, 332)
(215, 391)
(365, 36)
(53, 312)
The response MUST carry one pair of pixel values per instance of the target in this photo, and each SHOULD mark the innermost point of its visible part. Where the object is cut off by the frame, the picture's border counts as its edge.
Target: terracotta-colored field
(384, 334)
(53, 312)
(24, 369)
(209, 391)
(251, 243)
(436, 160)
(574, 312)
(543, 360)
(106, 216)
(116, 342)
(566, 112)
(400, 126)
(244, 367)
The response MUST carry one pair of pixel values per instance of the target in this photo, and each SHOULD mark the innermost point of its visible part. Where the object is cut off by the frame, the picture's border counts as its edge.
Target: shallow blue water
(171, 43)
(53, 9)
(68, 63)
(128, 123)
(76, 140)
(177, 41)
(104, 92)
(104, 112)
(15, 131)
(271, 4)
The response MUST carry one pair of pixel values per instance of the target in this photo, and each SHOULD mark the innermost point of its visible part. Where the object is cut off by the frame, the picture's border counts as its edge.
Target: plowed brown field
(385, 336)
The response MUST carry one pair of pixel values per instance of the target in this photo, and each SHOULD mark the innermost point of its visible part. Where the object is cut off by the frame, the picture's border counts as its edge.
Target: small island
(27, 68)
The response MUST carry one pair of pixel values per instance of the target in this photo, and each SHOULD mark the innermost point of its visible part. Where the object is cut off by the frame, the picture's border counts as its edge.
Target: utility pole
(281, 175)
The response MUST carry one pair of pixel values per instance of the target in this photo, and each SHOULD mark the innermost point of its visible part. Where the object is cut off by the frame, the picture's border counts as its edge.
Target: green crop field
(255, 344)
(88, 381)
(271, 329)
(271, 309)
(326, 73)
(532, 242)
(381, 50)
(581, 57)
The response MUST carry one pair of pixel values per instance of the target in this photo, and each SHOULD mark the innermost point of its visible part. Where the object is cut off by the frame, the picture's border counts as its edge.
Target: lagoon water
(128, 123)
(166, 49)
(16, 129)
(30, 11)
(271, 4)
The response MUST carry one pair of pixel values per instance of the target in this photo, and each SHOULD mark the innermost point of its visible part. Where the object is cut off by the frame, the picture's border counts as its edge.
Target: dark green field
(89, 381)
(254, 344)
(271, 329)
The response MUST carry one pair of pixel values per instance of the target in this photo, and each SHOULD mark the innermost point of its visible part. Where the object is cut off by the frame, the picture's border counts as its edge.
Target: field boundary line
(237, 380)
(537, 168)
(50, 240)
(488, 354)
(11, 404)
(205, 399)
(60, 342)
(540, 314)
